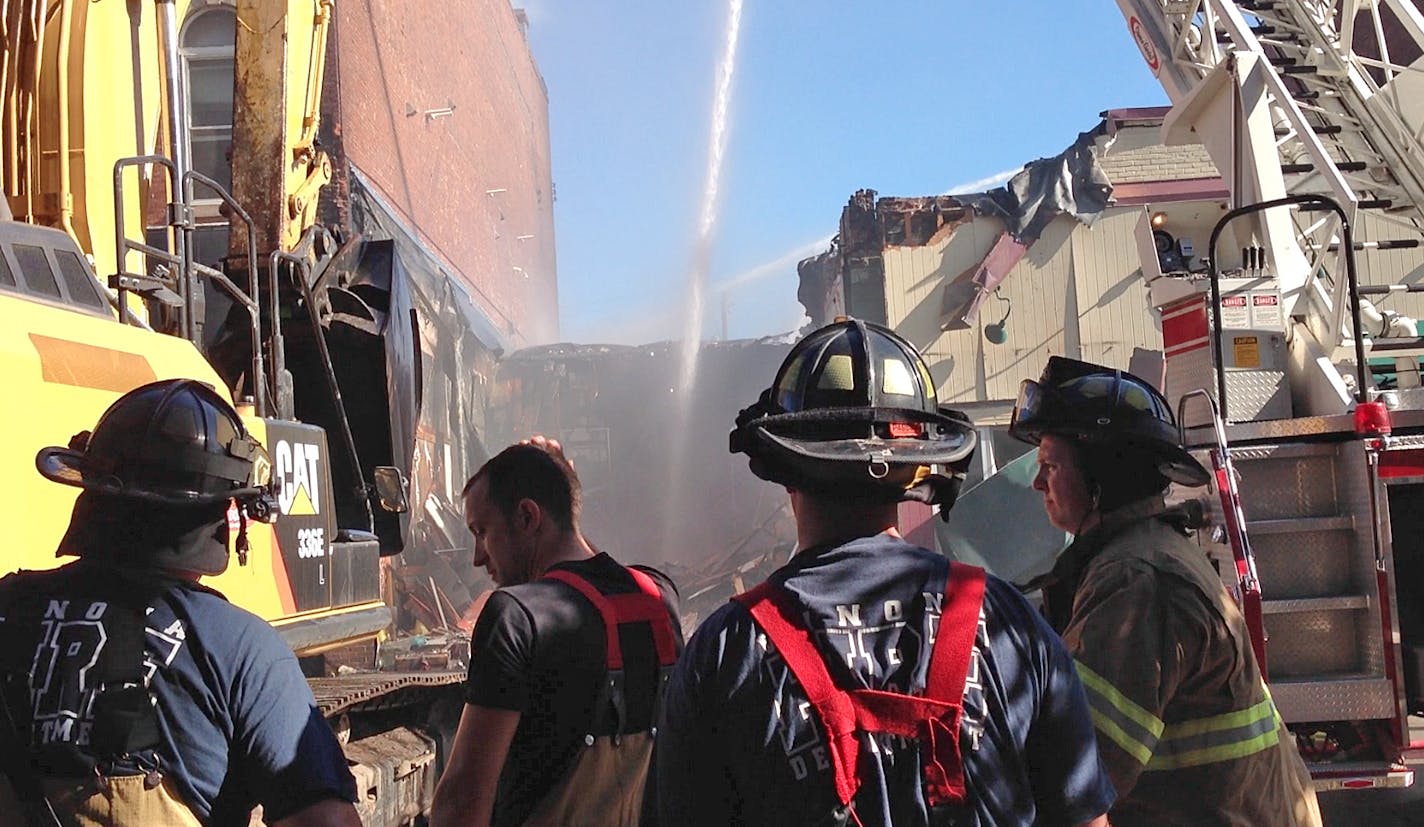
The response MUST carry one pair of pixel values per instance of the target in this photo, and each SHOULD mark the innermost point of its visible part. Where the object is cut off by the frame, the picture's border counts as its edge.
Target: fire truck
(1293, 366)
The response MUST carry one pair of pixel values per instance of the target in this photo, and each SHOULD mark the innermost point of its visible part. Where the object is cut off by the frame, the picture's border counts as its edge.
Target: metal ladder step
(1303, 525)
(1334, 698)
(1340, 603)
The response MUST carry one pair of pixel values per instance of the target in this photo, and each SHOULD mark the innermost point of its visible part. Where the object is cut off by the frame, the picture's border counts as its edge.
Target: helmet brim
(69, 467)
(946, 450)
(1182, 468)
(61, 465)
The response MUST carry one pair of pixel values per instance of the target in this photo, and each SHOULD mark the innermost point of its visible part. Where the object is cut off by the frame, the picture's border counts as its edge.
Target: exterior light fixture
(998, 332)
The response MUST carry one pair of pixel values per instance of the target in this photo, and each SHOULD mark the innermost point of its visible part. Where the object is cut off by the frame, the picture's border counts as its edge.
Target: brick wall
(475, 183)
(1136, 155)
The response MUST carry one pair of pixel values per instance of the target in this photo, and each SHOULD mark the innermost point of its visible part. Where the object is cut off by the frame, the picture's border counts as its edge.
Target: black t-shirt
(539, 649)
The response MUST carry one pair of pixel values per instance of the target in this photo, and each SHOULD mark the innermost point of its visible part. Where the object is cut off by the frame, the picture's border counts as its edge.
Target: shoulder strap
(932, 719)
(643, 606)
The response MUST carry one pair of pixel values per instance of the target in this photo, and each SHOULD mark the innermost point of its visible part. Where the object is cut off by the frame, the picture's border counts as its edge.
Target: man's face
(1065, 491)
(499, 547)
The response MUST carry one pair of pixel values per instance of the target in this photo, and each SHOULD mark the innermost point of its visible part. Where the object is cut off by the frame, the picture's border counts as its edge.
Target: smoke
(983, 183)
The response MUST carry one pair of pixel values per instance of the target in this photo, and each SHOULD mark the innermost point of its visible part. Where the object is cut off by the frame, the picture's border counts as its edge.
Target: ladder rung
(1345, 602)
(1300, 525)
(1330, 129)
(1343, 166)
(1387, 244)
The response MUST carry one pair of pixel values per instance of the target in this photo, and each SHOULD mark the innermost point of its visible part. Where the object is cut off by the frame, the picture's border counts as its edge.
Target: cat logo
(295, 464)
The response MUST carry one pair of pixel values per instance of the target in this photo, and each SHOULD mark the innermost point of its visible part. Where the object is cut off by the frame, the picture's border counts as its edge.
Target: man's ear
(528, 516)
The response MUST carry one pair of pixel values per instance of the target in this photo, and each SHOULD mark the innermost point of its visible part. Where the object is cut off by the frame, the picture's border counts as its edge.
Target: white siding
(1114, 310)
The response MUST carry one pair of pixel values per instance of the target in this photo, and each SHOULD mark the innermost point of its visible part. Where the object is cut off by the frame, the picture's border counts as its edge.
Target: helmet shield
(1095, 404)
(853, 408)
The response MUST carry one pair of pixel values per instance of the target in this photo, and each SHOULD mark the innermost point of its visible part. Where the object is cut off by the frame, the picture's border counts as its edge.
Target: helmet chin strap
(242, 544)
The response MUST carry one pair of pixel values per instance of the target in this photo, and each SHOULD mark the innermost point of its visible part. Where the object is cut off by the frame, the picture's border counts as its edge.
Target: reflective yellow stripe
(1223, 737)
(1228, 720)
(1212, 755)
(1116, 716)
(1106, 726)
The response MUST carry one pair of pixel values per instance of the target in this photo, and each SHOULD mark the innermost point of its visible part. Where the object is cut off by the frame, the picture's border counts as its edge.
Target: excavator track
(375, 690)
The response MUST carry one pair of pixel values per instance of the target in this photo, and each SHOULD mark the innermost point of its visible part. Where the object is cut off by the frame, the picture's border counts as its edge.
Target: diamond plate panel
(1257, 394)
(1313, 644)
(1300, 565)
(1351, 699)
(1295, 486)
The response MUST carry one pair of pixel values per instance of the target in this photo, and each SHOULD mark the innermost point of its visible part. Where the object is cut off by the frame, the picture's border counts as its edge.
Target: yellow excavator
(122, 164)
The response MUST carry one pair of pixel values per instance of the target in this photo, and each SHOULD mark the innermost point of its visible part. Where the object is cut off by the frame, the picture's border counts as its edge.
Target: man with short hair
(870, 681)
(1186, 726)
(567, 659)
(129, 693)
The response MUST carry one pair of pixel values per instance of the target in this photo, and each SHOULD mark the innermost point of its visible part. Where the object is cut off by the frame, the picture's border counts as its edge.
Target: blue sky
(907, 98)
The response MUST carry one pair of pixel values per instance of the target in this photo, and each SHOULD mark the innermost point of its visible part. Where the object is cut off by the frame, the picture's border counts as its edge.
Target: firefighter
(787, 706)
(1185, 723)
(568, 659)
(132, 695)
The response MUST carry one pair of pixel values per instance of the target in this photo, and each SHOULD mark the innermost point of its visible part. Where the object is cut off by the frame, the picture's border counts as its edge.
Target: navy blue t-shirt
(238, 723)
(739, 743)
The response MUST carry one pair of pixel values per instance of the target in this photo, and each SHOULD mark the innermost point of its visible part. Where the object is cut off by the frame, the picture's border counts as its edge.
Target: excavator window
(77, 280)
(7, 276)
(38, 275)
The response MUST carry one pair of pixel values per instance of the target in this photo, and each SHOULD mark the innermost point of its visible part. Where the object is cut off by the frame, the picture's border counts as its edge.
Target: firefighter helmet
(853, 410)
(1101, 405)
(174, 442)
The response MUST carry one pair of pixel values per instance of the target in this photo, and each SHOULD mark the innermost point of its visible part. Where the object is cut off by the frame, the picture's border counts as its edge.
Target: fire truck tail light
(1372, 419)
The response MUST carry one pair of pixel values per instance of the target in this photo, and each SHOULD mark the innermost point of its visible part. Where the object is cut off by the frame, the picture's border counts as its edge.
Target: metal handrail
(1347, 250)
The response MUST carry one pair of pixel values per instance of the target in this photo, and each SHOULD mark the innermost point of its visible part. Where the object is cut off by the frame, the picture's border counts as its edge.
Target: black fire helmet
(853, 413)
(1098, 405)
(174, 442)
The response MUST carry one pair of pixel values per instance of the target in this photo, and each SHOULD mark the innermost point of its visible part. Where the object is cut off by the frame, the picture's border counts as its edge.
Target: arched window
(206, 46)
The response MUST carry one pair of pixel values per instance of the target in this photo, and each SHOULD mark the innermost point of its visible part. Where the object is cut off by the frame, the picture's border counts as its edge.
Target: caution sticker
(1245, 351)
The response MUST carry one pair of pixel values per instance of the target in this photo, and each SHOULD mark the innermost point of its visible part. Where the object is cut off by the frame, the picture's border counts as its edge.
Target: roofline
(1115, 119)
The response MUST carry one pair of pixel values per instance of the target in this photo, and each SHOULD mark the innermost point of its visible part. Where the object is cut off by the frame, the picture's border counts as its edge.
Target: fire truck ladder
(1343, 82)
(1248, 584)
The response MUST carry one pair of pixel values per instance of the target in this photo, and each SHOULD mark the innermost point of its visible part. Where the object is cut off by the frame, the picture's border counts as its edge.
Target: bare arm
(329, 812)
(465, 794)
(1100, 821)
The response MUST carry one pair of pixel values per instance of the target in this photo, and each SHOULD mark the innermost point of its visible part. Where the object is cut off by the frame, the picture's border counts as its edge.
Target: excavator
(114, 194)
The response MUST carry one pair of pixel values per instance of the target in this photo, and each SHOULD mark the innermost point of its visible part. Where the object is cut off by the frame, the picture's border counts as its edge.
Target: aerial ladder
(1313, 113)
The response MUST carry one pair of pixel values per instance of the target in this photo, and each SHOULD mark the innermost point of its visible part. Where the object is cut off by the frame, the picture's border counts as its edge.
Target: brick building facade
(442, 110)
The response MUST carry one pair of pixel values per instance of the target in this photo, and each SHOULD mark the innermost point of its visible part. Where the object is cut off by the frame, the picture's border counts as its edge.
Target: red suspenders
(932, 719)
(643, 606)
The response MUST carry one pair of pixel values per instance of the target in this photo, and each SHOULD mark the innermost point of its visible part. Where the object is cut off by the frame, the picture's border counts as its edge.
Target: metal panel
(1114, 307)
(1286, 488)
(1304, 644)
(1347, 699)
(1303, 565)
